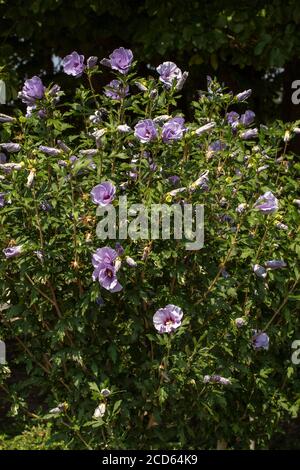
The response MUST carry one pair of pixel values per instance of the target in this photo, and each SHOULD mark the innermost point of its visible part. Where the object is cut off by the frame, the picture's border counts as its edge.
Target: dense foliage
(80, 349)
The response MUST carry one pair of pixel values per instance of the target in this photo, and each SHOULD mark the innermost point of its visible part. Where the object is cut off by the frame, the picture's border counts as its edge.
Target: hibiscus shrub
(141, 343)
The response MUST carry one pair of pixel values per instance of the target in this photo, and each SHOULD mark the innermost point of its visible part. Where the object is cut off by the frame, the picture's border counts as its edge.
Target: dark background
(246, 44)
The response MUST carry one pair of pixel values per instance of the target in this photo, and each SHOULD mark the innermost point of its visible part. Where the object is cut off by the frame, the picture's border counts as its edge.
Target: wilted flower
(123, 128)
(161, 119)
(96, 118)
(169, 74)
(12, 251)
(267, 203)
(53, 152)
(45, 206)
(216, 379)
(247, 118)
(217, 146)
(244, 95)
(2, 200)
(202, 182)
(99, 411)
(241, 207)
(60, 408)
(9, 167)
(281, 226)
(207, 127)
(287, 136)
(88, 152)
(5, 118)
(130, 262)
(11, 147)
(33, 90)
(260, 340)
(91, 62)
(116, 90)
(73, 64)
(40, 255)
(145, 130)
(259, 271)
(104, 262)
(30, 179)
(240, 322)
(104, 193)
(167, 319)
(275, 264)
(174, 180)
(63, 146)
(173, 129)
(249, 134)
(120, 59)
(119, 249)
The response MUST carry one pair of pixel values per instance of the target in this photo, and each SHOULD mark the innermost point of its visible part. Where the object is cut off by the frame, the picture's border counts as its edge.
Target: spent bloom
(267, 203)
(2, 200)
(259, 271)
(116, 90)
(104, 193)
(52, 151)
(173, 129)
(260, 340)
(218, 379)
(11, 147)
(120, 59)
(73, 64)
(244, 95)
(167, 319)
(207, 127)
(32, 91)
(145, 130)
(169, 74)
(249, 134)
(12, 251)
(105, 262)
(275, 264)
(240, 322)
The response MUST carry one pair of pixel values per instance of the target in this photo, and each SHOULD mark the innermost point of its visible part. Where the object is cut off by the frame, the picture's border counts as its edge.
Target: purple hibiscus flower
(260, 340)
(120, 60)
(247, 118)
(33, 90)
(267, 203)
(104, 193)
(105, 263)
(73, 64)
(145, 130)
(173, 129)
(12, 251)
(116, 90)
(217, 146)
(170, 74)
(167, 319)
